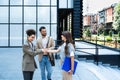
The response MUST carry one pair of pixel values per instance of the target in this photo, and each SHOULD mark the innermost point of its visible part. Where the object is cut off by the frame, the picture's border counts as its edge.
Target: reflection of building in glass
(19, 15)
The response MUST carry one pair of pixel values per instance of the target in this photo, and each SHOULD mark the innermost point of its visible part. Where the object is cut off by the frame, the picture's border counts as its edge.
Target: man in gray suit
(45, 42)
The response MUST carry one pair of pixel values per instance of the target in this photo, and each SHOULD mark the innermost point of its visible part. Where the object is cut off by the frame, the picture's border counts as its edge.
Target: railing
(111, 56)
(92, 53)
(112, 43)
(95, 53)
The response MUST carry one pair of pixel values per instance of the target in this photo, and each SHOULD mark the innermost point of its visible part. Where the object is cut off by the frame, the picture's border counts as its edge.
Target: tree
(100, 29)
(88, 33)
(116, 22)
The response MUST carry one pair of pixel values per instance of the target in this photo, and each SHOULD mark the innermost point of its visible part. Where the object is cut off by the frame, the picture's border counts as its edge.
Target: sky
(96, 5)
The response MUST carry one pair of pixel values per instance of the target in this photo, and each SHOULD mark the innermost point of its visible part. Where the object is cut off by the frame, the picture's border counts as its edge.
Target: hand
(44, 50)
(70, 72)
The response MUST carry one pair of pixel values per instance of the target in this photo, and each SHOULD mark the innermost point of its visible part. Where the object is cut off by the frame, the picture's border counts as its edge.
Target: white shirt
(44, 41)
(62, 50)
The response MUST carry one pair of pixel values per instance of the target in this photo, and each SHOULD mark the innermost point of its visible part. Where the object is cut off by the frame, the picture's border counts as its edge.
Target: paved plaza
(11, 60)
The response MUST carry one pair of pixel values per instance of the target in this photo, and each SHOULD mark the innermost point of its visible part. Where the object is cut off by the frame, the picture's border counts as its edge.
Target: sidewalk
(10, 66)
(11, 60)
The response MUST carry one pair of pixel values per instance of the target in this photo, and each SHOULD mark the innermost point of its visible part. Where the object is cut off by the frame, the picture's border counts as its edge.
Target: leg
(31, 75)
(49, 69)
(66, 76)
(26, 75)
(42, 68)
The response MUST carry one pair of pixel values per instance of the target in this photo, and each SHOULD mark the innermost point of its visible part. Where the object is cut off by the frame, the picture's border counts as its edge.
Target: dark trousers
(28, 75)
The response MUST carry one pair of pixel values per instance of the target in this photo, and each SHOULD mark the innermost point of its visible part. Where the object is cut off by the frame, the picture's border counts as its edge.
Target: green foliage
(116, 22)
(100, 29)
(88, 33)
(108, 38)
(119, 34)
(119, 41)
(105, 33)
(110, 33)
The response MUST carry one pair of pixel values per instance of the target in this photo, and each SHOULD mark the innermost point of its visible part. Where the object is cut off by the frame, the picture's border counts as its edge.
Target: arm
(53, 51)
(72, 63)
(28, 50)
(71, 51)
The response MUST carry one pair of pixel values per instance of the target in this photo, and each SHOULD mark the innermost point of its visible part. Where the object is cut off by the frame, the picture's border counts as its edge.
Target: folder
(66, 66)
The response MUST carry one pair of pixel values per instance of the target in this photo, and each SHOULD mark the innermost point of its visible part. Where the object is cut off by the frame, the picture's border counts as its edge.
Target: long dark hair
(69, 39)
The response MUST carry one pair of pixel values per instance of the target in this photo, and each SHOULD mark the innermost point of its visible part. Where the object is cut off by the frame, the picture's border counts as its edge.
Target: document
(67, 65)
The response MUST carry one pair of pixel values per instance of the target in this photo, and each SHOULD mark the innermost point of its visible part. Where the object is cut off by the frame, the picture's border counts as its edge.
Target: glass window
(4, 2)
(47, 29)
(29, 2)
(4, 35)
(15, 35)
(62, 3)
(70, 3)
(43, 2)
(53, 2)
(15, 2)
(54, 31)
(26, 27)
(3, 14)
(16, 14)
(53, 14)
(30, 15)
(44, 14)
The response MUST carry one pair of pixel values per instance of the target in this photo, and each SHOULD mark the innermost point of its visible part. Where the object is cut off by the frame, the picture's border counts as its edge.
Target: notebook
(67, 64)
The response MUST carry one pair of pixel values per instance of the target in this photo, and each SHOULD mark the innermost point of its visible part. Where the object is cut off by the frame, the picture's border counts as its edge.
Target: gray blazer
(51, 45)
(28, 62)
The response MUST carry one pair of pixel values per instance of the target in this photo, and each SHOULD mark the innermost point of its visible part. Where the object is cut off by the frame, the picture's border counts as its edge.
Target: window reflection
(53, 15)
(15, 2)
(70, 3)
(44, 15)
(54, 31)
(16, 14)
(3, 14)
(29, 2)
(15, 35)
(43, 2)
(53, 2)
(45, 18)
(62, 3)
(30, 15)
(4, 2)
(4, 35)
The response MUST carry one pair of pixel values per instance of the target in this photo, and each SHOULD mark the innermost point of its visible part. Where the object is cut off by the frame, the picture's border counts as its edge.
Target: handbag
(51, 56)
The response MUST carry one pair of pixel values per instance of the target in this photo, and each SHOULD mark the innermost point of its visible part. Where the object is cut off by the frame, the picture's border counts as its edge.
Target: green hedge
(119, 34)
(108, 38)
(110, 33)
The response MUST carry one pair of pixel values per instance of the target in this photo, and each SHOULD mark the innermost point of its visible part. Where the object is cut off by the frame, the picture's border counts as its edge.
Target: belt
(45, 55)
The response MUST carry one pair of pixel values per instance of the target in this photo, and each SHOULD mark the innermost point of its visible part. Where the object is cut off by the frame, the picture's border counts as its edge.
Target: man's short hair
(42, 27)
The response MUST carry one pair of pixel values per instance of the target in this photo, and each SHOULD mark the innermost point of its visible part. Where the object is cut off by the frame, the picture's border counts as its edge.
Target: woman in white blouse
(66, 49)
